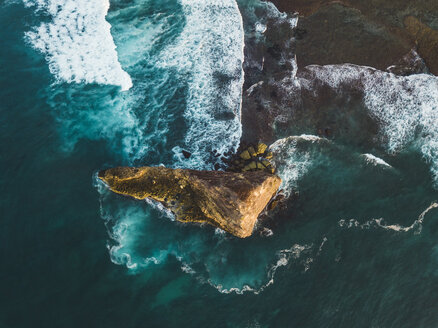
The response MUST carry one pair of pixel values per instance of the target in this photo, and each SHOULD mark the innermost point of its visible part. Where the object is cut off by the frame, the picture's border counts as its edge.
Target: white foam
(288, 55)
(209, 48)
(310, 137)
(266, 232)
(373, 160)
(283, 258)
(77, 42)
(136, 123)
(186, 268)
(405, 107)
(324, 240)
(260, 28)
(292, 162)
(219, 232)
(257, 85)
(416, 226)
(161, 208)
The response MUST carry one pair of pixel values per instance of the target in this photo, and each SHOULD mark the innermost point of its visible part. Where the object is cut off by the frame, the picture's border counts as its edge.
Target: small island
(231, 201)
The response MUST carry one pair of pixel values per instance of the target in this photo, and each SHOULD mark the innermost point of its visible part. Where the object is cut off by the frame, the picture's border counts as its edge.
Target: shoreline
(281, 96)
(364, 33)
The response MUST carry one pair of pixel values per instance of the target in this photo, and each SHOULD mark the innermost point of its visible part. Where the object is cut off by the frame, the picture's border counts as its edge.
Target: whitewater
(354, 244)
(207, 55)
(77, 42)
(181, 73)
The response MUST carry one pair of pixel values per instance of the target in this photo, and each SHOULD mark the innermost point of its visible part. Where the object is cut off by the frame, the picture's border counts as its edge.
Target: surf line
(77, 43)
(417, 224)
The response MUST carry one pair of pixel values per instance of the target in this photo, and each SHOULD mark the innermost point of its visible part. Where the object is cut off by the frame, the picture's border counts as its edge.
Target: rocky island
(231, 201)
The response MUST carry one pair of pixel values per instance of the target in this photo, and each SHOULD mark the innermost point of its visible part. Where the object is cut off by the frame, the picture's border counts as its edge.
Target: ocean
(92, 84)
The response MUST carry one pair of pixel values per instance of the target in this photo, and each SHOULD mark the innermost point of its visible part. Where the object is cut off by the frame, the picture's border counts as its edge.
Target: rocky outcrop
(372, 33)
(409, 64)
(279, 100)
(251, 158)
(228, 200)
(337, 34)
(427, 39)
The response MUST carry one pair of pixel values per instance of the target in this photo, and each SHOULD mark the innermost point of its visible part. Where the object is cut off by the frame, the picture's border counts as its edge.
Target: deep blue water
(73, 255)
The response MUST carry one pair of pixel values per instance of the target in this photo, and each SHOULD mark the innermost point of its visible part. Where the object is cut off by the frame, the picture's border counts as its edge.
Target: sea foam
(77, 42)
(405, 107)
(374, 160)
(209, 55)
(416, 226)
(294, 156)
(283, 258)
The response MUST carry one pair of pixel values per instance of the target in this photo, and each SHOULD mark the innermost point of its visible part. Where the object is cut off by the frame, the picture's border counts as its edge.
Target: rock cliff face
(228, 200)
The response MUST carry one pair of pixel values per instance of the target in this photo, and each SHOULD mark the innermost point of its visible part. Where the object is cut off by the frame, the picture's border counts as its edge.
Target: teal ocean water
(82, 89)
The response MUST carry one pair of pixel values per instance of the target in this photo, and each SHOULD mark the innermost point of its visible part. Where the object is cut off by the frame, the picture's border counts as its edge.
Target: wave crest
(77, 43)
(209, 55)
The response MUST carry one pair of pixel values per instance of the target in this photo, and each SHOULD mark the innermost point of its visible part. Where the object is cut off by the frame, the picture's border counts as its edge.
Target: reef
(231, 201)
(370, 33)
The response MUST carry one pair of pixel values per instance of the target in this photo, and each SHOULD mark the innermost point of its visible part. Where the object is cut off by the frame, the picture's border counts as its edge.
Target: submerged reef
(370, 33)
(231, 201)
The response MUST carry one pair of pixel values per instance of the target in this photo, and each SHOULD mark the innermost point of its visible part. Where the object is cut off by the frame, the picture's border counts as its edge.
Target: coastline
(295, 96)
(365, 33)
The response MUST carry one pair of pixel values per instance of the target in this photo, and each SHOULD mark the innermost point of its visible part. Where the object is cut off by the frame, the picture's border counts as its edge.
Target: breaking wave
(77, 42)
(374, 160)
(198, 59)
(294, 156)
(405, 107)
(209, 55)
(134, 124)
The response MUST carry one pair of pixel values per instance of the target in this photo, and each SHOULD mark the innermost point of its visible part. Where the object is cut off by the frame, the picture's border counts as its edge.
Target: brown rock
(260, 166)
(269, 155)
(252, 152)
(266, 163)
(275, 201)
(245, 155)
(427, 39)
(230, 201)
(337, 34)
(364, 32)
(249, 167)
(261, 148)
(410, 64)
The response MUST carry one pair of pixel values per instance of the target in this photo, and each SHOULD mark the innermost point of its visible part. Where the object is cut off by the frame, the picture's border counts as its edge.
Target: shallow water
(356, 245)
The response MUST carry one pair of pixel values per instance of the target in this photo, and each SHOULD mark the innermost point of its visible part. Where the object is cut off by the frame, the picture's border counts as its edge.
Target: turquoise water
(357, 247)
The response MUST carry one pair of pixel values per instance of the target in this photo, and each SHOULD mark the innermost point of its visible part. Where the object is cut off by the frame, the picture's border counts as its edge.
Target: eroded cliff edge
(228, 200)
